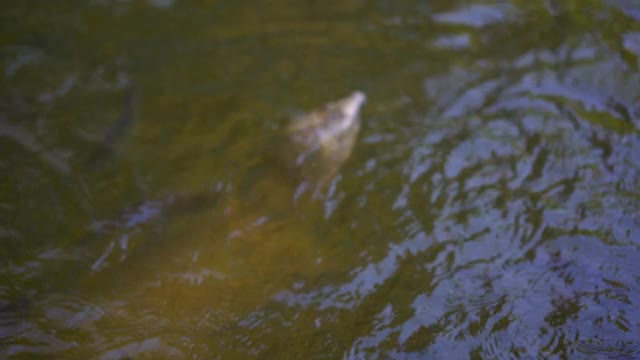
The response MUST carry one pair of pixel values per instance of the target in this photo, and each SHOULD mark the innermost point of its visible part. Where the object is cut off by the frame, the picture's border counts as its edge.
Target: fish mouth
(331, 122)
(353, 103)
(349, 109)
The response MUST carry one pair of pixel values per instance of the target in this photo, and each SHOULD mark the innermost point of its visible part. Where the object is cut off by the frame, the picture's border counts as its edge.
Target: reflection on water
(489, 209)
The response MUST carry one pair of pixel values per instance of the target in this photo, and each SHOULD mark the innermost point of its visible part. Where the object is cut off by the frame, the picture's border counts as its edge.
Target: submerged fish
(312, 148)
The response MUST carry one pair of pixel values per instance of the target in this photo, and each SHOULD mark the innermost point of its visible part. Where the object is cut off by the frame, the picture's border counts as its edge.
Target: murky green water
(490, 208)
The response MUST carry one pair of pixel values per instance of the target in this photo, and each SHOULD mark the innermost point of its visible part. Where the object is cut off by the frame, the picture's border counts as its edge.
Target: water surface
(489, 209)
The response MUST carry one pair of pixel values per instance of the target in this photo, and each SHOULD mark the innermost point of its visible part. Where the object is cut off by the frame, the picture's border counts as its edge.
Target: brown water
(490, 208)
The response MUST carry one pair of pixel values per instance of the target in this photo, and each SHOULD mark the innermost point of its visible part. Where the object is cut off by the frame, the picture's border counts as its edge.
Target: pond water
(490, 208)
